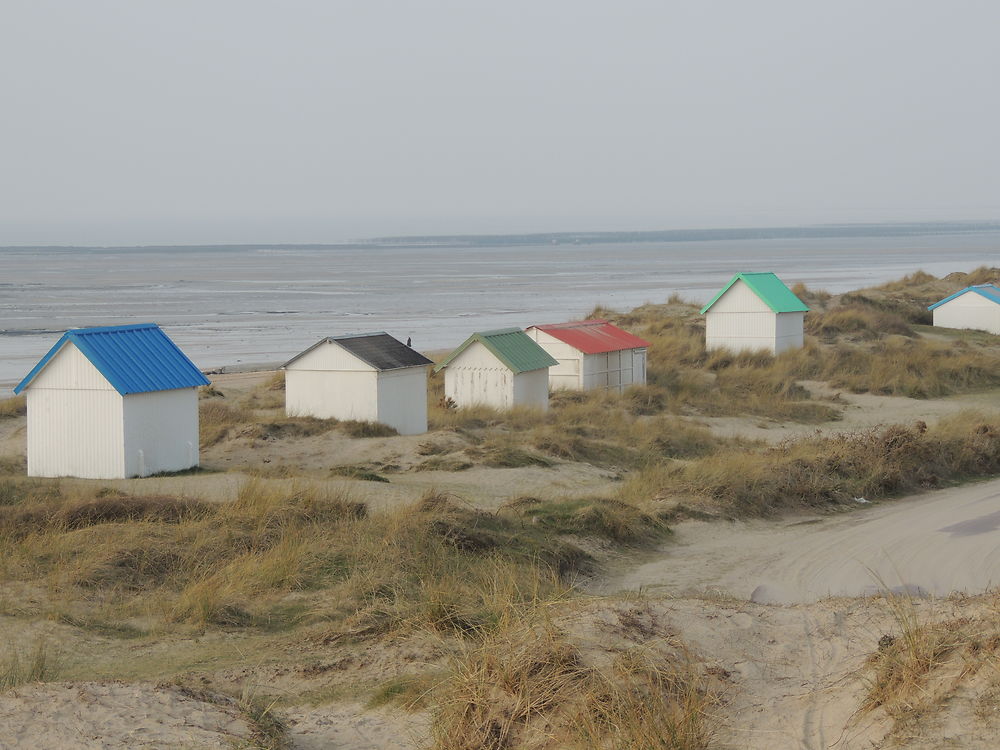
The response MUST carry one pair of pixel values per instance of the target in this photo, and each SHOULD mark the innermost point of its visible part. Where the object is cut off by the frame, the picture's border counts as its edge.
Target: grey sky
(241, 121)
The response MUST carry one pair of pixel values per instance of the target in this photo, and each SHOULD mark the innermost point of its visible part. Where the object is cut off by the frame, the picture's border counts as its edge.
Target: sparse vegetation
(527, 684)
(819, 471)
(38, 664)
(13, 407)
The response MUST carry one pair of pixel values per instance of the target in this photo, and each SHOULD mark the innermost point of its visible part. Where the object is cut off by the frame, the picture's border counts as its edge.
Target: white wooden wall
(532, 389)
(331, 383)
(161, 431)
(970, 310)
(789, 331)
(740, 320)
(75, 421)
(476, 377)
(569, 372)
(332, 395)
(402, 400)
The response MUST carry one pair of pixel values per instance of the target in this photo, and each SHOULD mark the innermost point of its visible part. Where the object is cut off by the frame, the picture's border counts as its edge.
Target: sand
(938, 543)
(115, 716)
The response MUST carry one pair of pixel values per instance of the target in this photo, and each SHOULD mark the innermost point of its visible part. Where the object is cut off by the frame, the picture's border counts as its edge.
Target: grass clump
(527, 684)
(595, 517)
(914, 668)
(361, 429)
(13, 407)
(410, 692)
(216, 419)
(39, 664)
(357, 472)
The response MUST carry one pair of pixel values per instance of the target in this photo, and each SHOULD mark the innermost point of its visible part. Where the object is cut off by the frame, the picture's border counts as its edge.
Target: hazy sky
(166, 121)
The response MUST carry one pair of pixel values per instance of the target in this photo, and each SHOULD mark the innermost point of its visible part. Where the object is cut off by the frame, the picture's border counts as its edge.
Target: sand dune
(943, 542)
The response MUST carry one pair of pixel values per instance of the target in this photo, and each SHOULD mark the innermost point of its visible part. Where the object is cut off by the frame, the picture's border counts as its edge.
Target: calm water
(228, 307)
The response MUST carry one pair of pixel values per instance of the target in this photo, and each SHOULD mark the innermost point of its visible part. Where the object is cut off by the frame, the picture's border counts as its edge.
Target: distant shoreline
(810, 231)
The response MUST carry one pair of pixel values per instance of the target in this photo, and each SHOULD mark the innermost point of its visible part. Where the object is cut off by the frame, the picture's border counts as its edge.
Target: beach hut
(110, 403)
(754, 311)
(370, 377)
(592, 354)
(501, 368)
(976, 307)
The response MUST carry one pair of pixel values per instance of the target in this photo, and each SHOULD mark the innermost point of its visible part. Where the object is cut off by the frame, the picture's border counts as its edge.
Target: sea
(253, 306)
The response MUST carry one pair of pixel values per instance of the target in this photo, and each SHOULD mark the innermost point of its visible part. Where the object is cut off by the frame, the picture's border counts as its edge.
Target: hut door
(639, 367)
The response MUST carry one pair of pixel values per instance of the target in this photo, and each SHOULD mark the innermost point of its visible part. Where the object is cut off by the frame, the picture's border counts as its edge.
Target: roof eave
(41, 364)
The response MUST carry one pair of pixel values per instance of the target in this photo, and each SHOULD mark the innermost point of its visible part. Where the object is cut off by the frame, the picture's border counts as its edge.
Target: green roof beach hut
(501, 368)
(754, 311)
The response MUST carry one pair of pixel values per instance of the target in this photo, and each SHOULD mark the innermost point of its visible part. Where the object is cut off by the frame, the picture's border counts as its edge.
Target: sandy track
(942, 542)
(115, 716)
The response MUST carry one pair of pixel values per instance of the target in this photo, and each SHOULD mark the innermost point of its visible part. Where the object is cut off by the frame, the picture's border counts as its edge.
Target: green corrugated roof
(512, 346)
(769, 288)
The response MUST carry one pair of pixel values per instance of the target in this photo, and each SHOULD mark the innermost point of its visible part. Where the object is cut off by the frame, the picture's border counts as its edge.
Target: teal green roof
(512, 346)
(771, 290)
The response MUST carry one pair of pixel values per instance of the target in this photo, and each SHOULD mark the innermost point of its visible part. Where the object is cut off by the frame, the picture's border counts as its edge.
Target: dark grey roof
(380, 350)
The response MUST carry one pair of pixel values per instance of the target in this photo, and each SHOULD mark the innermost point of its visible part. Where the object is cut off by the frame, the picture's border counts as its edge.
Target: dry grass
(926, 661)
(13, 407)
(39, 664)
(527, 684)
(278, 558)
(819, 471)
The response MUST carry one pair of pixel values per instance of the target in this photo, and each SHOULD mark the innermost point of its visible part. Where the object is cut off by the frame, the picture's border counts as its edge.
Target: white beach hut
(110, 403)
(975, 307)
(501, 368)
(754, 311)
(371, 377)
(592, 354)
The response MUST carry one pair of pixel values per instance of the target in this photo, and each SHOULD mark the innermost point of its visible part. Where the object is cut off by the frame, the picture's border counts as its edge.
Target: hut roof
(771, 290)
(989, 291)
(379, 349)
(512, 346)
(594, 336)
(134, 359)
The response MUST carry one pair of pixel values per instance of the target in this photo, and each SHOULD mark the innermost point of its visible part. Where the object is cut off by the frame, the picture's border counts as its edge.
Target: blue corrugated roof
(989, 291)
(134, 359)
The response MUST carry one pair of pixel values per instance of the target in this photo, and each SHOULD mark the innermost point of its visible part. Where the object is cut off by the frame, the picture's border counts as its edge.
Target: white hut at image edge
(501, 368)
(592, 354)
(111, 403)
(975, 307)
(370, 377)
(754, 311)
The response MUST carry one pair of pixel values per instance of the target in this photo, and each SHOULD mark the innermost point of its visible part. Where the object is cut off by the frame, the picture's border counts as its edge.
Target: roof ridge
(108, 329)
(357, 335)
(498, 331)
(575, 323)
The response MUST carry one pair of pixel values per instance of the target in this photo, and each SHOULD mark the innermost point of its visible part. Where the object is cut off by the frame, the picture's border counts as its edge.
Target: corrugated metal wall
(971, 311)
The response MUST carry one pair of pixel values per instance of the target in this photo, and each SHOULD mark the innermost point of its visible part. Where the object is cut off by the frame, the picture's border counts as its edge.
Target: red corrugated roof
(594, 336)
